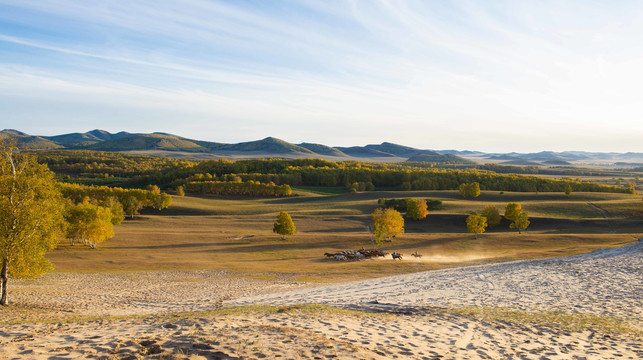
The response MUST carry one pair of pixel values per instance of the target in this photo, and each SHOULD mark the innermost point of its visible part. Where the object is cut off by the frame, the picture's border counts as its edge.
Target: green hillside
(322, 149)
(149, 142)
(28, 141)
(395, 149)
(364, 152)
(268, 145)
(434, 157)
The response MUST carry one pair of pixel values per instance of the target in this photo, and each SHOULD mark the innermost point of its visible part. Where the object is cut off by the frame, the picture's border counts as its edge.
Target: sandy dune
(408, 317)
(604, 282)
(64, 295)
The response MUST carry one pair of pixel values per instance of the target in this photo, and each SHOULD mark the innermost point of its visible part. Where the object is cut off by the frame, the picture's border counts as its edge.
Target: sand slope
(604, 282)
(409, 316)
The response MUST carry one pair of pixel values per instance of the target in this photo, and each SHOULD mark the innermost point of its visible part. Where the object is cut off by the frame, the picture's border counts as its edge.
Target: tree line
(131, 200)
(104, 163)
(427, 179)
(401, 204)
(237, 188)
(139, 171)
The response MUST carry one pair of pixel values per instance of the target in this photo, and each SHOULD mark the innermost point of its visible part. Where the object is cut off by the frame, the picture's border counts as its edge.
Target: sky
(493, 76)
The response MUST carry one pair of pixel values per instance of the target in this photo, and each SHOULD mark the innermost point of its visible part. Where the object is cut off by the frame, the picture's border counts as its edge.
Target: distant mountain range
(176, 146)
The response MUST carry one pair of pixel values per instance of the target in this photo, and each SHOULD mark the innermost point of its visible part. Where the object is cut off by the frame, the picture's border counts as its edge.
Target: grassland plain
(236, 234)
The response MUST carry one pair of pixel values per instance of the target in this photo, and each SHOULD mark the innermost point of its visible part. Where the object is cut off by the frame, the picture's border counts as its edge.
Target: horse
(396, 255)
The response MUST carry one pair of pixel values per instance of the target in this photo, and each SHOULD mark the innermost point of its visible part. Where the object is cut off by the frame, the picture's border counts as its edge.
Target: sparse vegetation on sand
(559, 319)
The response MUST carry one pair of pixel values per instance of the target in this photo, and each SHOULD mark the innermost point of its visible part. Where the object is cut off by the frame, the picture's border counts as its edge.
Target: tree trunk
(3, 287)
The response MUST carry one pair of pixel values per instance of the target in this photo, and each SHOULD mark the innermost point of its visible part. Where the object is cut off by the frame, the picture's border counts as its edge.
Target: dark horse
(396, 255)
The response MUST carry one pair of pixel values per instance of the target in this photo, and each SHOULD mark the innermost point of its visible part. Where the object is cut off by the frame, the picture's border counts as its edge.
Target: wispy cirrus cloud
(457, 74)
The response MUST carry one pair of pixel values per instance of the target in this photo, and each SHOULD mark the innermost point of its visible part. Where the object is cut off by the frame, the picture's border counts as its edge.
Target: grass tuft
(559, 319)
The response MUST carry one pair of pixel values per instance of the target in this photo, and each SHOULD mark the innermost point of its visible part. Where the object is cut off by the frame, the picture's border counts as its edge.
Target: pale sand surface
(417, 323)
(65, 295)
(604, 282)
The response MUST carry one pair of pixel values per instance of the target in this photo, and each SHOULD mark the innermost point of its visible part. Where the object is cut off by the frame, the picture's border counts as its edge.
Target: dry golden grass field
(236, 234)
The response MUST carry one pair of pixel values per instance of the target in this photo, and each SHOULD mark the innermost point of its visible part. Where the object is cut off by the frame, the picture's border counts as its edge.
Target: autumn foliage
(387, 223)
(284, 225)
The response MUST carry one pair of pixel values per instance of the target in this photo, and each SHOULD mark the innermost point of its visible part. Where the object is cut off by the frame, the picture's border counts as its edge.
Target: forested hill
(169, 145)
(179, 147)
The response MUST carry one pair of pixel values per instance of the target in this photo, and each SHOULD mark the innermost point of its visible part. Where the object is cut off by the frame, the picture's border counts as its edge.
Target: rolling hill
(323, 149)
(29, 141)
(435, 157)
(395, 149)
(148, 142)
(175, 146)
(85, 139)
(268, 145)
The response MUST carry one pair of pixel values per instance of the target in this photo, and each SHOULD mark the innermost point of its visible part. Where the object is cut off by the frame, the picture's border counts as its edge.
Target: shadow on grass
(287, 246)
(454, 223)
(183, 245)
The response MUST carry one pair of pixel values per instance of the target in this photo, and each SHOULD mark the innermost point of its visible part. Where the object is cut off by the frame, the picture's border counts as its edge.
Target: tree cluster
(400, 204)
(416, 209)
(90, 223)
(75, 164)
(490, 217)
(360, 186)
(237, 188)
(171, 173)
(469, 191)
(129, 200)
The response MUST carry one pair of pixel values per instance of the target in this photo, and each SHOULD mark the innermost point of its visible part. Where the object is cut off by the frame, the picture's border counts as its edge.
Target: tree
(416, 209)
(387, 223)
(512, 211)
(90, 223)
(162, 201)
(521, 222)
(354, 187)
(284, 225)
(31, 218)
(115, 207)
(133, 201)
(492, 214)
(180, 191)
(156, 199)
(463, 190)
(476, 224)
(568, 190)
(469, 191)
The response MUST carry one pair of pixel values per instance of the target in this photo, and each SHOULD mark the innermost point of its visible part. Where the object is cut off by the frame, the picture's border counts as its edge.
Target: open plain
(207, 279)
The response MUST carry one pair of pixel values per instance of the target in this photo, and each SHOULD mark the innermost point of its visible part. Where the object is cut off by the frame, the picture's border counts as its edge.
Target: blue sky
(479, 75)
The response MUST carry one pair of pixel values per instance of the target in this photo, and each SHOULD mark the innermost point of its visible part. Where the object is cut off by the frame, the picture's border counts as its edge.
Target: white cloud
(461, 74)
